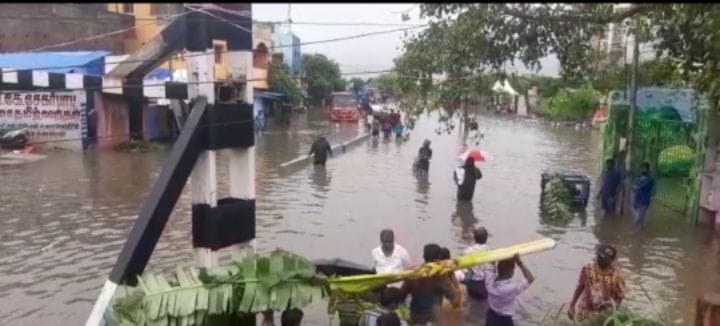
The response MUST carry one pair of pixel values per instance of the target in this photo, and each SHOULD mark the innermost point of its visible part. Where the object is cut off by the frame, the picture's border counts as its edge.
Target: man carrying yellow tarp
(427, 293)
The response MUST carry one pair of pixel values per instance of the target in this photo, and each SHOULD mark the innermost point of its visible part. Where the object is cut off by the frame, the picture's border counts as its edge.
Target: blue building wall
(289, 45)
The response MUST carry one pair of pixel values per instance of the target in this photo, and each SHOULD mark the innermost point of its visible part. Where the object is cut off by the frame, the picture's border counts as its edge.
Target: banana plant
(223, 295)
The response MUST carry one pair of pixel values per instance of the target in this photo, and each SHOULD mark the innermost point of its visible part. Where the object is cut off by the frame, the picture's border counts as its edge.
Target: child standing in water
(503, 291)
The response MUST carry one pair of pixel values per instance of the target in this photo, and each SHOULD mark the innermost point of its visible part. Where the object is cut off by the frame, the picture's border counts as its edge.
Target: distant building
(616, 43)
(287, 49)
(262, 53)
(150, 20)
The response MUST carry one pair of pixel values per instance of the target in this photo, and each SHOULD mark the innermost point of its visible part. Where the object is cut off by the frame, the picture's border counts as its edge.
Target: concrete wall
(262, 33)
(70, 22)
(113, 120)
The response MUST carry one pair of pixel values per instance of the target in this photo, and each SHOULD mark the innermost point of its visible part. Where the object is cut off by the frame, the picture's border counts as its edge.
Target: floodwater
(64, 219)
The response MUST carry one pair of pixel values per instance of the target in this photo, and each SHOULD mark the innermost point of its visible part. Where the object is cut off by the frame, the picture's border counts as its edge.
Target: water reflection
(464, 217)
(320, 179)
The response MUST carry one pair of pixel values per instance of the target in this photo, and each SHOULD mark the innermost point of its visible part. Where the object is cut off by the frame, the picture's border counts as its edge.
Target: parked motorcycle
(14, 139)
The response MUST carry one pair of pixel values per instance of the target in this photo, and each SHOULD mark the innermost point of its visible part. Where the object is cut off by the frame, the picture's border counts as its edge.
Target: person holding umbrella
(466, 177)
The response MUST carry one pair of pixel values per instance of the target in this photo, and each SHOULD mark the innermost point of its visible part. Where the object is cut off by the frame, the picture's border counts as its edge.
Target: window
(127, 8)
(218, 49)
(157, 9)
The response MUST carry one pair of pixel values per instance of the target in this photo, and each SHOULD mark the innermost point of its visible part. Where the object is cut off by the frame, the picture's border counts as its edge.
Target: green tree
(657, 72)
(281, 81)
(476, 37)
(572, 105)
(388, 84)
(356, 84)
(323, 77)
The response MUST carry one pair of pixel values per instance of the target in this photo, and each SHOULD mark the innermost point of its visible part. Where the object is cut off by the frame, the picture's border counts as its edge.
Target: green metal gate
(669, 146)
(666, 142)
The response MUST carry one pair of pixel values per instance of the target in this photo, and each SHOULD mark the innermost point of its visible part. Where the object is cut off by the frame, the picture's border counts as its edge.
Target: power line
(236, 20)
(119, 31)
(350, 37)
(219, 18)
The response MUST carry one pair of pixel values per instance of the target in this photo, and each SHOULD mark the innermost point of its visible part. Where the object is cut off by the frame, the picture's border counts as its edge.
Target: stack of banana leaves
(282, 280)
(557, 198)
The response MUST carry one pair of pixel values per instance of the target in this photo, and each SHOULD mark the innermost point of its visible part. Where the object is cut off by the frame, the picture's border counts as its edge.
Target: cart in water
(580, 182)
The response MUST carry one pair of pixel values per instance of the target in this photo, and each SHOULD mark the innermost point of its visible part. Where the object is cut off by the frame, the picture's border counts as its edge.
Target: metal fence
(669, 146)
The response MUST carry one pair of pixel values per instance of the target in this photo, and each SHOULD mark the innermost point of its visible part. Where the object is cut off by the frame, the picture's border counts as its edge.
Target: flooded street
(64, 219)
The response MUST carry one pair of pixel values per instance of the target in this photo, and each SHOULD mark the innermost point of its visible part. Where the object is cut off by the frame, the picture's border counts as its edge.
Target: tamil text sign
(53, 119)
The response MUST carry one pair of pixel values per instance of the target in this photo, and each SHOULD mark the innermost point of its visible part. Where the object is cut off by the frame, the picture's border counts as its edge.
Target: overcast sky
(369, 53)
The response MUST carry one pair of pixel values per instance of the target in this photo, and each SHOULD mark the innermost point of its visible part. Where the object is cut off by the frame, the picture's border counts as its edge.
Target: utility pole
(631, 119)
(625, 68)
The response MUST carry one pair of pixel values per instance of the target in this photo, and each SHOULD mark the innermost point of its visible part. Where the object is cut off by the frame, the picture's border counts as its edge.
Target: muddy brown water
(64, 219)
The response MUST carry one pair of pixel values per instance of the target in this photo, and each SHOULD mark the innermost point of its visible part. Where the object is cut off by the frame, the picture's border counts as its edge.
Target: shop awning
(271, 96)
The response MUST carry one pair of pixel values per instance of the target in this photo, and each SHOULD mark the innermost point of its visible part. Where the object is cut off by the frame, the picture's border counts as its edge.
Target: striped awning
(29, 80)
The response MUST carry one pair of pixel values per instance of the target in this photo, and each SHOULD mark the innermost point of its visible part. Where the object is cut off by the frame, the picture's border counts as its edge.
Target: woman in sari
(600, 288)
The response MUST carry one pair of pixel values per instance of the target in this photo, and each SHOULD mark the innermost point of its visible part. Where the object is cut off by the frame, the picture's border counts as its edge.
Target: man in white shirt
(390, 257)
(475, 278)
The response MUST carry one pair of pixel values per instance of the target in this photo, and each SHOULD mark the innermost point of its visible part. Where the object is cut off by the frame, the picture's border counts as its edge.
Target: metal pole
(625, 68)
(631, 119)
(203, 180)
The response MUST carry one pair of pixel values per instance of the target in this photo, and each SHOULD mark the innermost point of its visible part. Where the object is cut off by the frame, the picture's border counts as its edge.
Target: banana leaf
(222, 295)
(364, 283)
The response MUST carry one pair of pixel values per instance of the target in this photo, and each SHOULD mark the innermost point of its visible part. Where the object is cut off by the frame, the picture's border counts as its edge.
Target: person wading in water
(610, 187)
(390, 257)
(503, 291)
(427, 293)
(600, 288)
(321, 148)
(642, 195)
(422, 162)
(475, 279)
(466, 177)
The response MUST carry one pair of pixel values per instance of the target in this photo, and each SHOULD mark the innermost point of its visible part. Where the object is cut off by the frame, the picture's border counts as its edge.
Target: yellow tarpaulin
(364, 283)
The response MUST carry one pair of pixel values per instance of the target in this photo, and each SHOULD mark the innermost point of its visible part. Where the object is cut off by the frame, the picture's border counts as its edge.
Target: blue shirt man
(642, 194)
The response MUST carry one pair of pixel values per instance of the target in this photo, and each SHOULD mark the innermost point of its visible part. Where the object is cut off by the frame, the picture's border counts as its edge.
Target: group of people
(609, 191)
(438, 300)
(465, 176)
(386, 123)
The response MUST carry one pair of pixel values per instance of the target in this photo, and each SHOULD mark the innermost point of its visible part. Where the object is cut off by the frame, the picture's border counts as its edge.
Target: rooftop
(64, 62)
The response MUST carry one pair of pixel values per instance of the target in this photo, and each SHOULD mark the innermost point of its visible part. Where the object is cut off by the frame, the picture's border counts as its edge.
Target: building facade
(32, 26)
(150, 19)
(616, 45)
(262, 54)
(287, 49)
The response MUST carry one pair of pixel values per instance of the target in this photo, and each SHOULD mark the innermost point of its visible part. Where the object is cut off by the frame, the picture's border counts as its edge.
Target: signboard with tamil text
(53, 119)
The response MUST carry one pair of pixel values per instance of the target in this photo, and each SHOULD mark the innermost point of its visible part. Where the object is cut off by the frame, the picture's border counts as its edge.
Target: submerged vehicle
(14, 139)
(344, 107)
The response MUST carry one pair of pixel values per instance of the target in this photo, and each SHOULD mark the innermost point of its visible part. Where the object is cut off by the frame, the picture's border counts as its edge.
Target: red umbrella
(476, 154)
